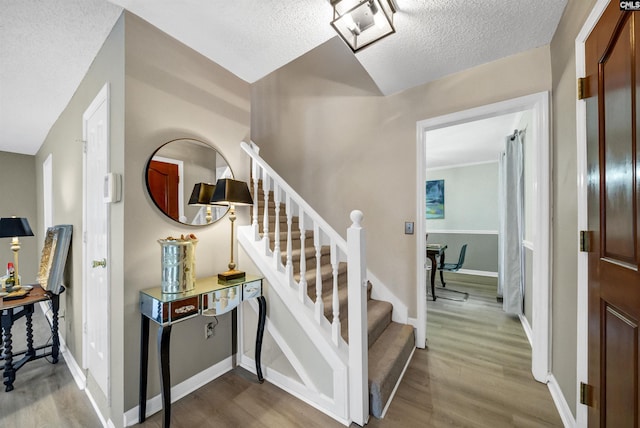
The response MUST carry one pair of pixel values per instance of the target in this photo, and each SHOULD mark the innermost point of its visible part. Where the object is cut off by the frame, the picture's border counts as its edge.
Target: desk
(208, 298)
(8, 316)
(433, 251)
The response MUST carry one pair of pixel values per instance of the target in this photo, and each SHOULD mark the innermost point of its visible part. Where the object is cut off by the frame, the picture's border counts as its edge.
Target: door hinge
(585, 394)
(585, 241)
(582, 88)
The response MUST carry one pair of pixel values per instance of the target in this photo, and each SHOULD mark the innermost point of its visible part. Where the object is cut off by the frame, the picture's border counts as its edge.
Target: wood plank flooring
(474, 373)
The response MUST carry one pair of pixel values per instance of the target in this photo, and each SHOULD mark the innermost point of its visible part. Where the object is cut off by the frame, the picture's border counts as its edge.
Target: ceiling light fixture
(362, 22)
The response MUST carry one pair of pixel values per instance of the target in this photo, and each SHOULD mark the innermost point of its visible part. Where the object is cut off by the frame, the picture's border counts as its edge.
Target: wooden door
(614, 283)
(163, 182)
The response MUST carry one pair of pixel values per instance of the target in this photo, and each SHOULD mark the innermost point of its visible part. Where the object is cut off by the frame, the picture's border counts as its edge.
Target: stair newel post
(289, 267)
(265, 220)
(358, 346)
(276, 240)
(256, 179)
(319, 306)
(335, 301)
(302, 285)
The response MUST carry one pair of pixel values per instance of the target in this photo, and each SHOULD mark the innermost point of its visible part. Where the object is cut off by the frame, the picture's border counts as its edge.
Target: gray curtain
(511, 201)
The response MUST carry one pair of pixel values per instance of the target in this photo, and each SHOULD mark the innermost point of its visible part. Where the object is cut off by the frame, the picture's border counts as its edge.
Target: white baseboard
(527, 329)
(561, 404)
(292, 387)
(478, 273)
(395, 388)
(180, 390)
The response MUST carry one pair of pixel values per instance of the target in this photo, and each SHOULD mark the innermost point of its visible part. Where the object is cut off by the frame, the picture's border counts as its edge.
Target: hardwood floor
(474, 373)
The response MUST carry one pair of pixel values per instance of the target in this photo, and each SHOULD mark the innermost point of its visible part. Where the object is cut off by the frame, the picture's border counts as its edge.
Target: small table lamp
(201, 195)
(231, 193)
(13, 227)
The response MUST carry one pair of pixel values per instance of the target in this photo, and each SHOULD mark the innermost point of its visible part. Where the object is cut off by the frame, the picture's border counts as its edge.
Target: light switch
(408, 228)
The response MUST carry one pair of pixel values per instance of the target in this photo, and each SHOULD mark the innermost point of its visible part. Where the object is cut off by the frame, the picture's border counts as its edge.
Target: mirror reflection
(174, 170)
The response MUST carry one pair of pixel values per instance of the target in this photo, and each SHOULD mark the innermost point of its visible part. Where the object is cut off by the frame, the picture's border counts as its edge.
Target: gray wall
(482, 250)
(19, 198)
(470, 197)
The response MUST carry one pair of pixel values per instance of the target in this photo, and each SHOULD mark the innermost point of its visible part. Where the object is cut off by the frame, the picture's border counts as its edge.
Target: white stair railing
(352, 252)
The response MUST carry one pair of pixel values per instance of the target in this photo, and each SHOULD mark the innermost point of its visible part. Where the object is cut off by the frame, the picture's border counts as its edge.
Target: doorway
(95, 248)
(538, 104)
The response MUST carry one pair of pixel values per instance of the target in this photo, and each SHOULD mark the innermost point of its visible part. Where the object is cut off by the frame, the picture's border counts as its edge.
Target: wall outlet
(209, 330)
(408, 228)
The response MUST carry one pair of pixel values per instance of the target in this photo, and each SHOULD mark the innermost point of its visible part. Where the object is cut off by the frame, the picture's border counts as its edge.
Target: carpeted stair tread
(378, 319)
(326, 272)
(387, 358)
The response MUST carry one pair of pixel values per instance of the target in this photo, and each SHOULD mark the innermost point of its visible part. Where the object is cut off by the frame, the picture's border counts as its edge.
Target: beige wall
(19, 198)
(173, 92)
(343, 146)
(564, 293)
(64, 142)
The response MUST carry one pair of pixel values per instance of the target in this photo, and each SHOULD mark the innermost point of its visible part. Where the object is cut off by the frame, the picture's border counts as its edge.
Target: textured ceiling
(47, 46)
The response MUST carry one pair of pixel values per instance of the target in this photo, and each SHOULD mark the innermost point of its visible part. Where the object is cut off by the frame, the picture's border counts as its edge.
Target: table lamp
(230, 193)
(201, 196)
(13, 227)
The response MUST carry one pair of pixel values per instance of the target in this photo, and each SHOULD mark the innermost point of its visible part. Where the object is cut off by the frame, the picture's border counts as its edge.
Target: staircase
(304, 258)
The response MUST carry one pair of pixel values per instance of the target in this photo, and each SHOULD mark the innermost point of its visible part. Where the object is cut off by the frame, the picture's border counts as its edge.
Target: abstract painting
(435, 199)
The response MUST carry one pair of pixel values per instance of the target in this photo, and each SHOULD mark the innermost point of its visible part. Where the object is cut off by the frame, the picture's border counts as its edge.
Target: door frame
(539, 104)
(101, 98)
(582, 352)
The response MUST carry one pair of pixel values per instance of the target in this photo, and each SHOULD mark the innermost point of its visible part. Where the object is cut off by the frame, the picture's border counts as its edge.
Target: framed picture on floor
(54, 257)
(435, 199)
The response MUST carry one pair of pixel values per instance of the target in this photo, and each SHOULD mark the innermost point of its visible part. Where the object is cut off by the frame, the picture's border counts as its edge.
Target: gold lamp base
(231, 275)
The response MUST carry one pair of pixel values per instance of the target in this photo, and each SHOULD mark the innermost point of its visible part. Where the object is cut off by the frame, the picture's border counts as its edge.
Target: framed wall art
(435, 199)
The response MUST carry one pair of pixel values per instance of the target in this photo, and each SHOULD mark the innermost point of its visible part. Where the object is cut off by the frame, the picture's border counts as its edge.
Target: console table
(13, 310)
(208, 298)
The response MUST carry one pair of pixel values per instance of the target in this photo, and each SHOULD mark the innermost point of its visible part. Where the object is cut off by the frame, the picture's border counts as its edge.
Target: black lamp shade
(14, 226)
(201, 194)
(231, 192)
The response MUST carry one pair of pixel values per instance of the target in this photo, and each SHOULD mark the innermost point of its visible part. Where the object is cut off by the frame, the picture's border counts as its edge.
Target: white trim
(293, 387)
(528, 245)
(540, 104)
(103, 421)
(527, 328)
(181, 390)
(395, 388)
(561, 404)
(582, 334)
(478, 273)
(463, 232)
(460, 165)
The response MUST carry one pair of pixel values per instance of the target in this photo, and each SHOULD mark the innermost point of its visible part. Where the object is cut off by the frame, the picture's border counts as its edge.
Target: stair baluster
(276, 235)
(319, 306)
(289, 266)
(335, 325)
(265, 220)
(302, 285)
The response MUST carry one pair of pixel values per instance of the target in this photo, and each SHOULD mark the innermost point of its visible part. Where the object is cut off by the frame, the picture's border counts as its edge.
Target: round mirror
(179, 173)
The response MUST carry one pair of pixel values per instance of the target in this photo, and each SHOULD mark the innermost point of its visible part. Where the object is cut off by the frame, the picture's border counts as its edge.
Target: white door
(96, 241)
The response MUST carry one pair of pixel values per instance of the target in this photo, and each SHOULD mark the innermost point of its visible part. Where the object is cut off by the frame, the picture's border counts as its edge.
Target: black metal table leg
(144, 366)
(442, 264)
(55, 346)
(262, 315)
(164, 337)
(434, 266)
(9, 373)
